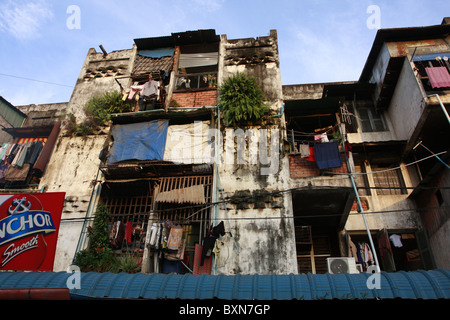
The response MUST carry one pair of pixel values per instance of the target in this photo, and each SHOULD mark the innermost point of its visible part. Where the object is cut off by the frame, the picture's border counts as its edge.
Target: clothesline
(300, 133)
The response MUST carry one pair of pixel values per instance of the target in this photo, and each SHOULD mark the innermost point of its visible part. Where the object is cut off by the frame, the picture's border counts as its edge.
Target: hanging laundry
(150, 88)
(16, 173)
(128, 231)
(153, 231)
(439, 77)
(37, 148)
(175, 236)
(359, 257)
(353, 251)
(158, 235)
(179, 254)
(368, 256)
(133, 90)
(117, 234)
(209, 241)
(348, 148)
(311, 155)
(217, 247)
(396, 240)
(198, 267)
(384, 246)
(321, 137)
(304, 151)
(327, 155)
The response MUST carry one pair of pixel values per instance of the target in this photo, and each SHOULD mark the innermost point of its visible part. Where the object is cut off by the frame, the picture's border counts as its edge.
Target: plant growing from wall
(99, 256)
(242, 101)
(98, 109)
(98, 112)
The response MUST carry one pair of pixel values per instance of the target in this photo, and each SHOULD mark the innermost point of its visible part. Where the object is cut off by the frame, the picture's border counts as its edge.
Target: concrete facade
(260, 218)
(265, 191)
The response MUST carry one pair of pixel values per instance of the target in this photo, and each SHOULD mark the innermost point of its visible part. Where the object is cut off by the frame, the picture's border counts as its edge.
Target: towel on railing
(439, 77)
(327, 155)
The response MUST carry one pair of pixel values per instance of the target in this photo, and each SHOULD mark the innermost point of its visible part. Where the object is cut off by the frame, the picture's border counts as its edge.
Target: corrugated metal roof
(433, 284)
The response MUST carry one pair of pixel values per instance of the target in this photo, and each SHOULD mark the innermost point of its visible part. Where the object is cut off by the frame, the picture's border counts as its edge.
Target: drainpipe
(442, 105)
(82, 238)
(361, 210)
(448, 119)
(281, 112)
(365, 223)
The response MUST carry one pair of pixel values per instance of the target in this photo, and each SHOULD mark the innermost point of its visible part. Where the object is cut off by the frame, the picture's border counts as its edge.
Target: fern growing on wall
(242, 101)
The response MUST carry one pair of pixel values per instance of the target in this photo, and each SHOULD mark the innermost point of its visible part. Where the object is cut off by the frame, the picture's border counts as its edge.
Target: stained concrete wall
(72, 169)
(435, 216)
(74, 163)
(407, 103)
(99, 74)
(257, 216)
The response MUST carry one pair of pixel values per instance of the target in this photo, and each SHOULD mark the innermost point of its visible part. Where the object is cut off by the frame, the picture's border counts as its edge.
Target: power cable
(35, 80)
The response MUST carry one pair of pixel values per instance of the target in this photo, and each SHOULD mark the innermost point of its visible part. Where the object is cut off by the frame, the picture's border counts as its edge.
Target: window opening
(371, 120)
(192, 215)
(314, 245)
(197, 70)
(390, 182)
(361, 179)
(130, 204)
(405, 255)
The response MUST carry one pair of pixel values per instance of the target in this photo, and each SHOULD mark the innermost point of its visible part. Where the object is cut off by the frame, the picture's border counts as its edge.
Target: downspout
(81, 239)
(215, 179)
(442, 105)
(281, 112)
(448, 119)
(360, 208)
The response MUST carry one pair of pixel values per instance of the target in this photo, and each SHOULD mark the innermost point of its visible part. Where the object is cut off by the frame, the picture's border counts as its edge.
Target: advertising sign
(29, 224)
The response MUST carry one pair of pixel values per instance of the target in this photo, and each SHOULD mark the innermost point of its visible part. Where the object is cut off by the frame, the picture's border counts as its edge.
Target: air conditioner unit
(340, 265)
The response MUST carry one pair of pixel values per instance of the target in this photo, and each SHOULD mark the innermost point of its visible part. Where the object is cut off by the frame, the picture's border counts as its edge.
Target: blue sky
(319, 41)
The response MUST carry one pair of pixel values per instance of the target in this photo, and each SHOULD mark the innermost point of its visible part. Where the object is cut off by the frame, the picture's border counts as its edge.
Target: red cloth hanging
(439, 77)
(311, 155)
(207, 263)
(128, 231)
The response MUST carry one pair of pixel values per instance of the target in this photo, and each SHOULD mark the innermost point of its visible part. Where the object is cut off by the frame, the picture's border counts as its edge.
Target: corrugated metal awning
(193, 194)
(433, 284)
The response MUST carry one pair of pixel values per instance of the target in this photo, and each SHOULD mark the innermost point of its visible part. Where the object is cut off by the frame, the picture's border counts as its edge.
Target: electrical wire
(35, 80)
(390, 169)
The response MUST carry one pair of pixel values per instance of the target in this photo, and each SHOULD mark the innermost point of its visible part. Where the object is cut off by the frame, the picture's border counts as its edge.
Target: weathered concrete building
(280, 197)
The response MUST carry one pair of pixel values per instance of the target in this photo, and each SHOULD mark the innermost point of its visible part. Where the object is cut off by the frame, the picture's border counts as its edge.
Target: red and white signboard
(29, 225)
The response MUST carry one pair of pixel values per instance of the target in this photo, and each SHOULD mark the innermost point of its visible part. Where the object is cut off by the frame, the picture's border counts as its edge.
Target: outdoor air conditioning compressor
(341, 265)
